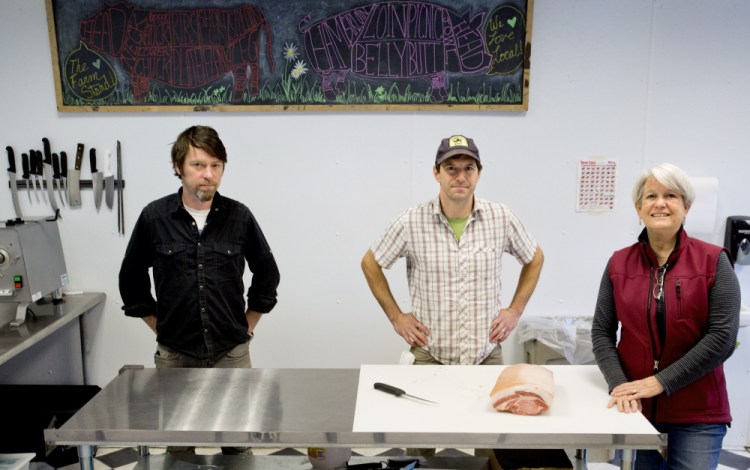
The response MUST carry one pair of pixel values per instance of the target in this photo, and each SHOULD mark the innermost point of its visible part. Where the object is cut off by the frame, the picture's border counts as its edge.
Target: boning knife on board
(399, 392)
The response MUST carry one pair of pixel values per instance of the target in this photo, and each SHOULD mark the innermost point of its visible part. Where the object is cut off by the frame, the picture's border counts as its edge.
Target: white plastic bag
(568, 336)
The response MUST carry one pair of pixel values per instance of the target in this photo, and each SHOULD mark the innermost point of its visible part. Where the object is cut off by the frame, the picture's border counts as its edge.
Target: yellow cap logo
(458, 140)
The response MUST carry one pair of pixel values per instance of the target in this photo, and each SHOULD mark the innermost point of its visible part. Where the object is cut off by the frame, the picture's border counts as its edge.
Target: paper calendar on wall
(596, 186)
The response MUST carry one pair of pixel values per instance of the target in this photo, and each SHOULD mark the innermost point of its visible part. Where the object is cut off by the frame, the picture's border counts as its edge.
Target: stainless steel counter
(271, 408)
(48, 319)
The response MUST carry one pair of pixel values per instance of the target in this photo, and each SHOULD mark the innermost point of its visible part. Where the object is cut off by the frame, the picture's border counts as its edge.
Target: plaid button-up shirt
(455, 285)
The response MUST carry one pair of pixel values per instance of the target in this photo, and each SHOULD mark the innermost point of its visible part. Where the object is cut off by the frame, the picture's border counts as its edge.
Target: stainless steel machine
(32, 265)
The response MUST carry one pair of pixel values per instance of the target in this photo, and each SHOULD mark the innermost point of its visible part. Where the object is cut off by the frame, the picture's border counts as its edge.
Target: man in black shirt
(197, 243)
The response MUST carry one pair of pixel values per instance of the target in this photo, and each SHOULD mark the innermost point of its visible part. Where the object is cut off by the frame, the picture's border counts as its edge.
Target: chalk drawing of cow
(181, 48)
(398, 40)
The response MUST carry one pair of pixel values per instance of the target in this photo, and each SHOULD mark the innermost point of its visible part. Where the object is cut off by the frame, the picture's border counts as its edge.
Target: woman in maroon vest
(676, 300)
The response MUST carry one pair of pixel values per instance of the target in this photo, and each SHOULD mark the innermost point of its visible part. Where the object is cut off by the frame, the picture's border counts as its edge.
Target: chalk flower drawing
(299, 69)
(290, 52)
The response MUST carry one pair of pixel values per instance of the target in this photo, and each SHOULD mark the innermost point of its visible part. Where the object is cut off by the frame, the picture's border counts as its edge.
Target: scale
(32, 264)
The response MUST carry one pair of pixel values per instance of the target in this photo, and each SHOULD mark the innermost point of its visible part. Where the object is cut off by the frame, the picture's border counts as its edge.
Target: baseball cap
(456, 145)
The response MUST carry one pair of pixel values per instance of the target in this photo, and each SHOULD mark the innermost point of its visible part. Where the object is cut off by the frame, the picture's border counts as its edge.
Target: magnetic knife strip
(83, 184)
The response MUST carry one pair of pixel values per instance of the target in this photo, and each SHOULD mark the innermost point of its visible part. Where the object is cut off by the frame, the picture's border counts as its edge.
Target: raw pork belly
(523, 389)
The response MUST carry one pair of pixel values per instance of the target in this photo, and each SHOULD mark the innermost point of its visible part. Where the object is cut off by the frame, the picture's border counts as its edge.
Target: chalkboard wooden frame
(342, 55)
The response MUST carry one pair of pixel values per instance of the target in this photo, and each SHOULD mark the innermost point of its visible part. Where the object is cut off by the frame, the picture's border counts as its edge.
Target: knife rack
(83, 184)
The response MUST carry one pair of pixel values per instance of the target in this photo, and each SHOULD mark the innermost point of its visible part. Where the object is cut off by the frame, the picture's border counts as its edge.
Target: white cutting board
(579, 406)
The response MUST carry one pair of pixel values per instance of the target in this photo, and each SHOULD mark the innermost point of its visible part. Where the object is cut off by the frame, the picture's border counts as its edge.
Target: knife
(120, 184)
(109, 180)
(96, 180)
(56, 176)
(64, 172)
(13, 186)
(47, 171)
(25, 175)
(74, 179)
(398, 392)
(32, 171)
(39, 162)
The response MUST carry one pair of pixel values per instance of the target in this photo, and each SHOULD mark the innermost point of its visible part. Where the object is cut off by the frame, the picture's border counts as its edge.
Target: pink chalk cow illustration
(398, 40)
(182, 49)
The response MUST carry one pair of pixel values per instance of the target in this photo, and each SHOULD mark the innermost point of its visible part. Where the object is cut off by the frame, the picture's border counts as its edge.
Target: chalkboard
(271, 55)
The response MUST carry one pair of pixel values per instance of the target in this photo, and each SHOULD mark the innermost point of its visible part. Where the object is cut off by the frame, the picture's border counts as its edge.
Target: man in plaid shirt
(453, 245)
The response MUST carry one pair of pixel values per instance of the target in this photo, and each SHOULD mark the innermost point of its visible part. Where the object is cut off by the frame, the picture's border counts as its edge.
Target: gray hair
(671, 177)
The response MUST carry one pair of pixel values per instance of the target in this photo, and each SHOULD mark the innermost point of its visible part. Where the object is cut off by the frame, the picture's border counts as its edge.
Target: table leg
(84, 361)
(627, 459)
(86, 457)
(143, 451)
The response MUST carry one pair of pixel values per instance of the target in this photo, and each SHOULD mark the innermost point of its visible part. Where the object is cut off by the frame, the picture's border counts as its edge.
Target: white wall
(638, 82)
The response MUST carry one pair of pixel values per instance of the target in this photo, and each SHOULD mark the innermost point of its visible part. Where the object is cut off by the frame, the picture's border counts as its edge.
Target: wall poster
(597, 182)
(268, 55)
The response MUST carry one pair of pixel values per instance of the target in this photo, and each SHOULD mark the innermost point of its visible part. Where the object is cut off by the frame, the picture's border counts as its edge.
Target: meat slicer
(32, 264)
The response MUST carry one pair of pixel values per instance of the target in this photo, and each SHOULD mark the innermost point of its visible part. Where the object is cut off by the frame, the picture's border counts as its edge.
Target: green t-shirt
(458, 226)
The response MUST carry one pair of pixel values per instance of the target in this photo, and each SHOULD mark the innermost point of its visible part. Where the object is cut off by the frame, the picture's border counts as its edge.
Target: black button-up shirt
(199, 303)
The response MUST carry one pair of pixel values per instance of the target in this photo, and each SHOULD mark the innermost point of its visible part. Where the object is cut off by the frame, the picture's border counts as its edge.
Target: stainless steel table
(267, 408)
(49, 318)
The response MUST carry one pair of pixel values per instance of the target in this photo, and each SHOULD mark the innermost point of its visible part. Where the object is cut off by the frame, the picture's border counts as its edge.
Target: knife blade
(398, 392)
(40, 173)
(56, 177)
(120, 208)
(74, 179)
(109, 180)
(13, 184)
(47, 171)
(25, 175)
(64, 172)
(96, 180)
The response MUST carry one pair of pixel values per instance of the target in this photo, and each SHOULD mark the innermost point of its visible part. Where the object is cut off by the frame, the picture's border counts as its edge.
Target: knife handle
(32, 162)
(79, 157)
(39, 163)
(388, 389)
(25, 165)
(55, 166)
(11, 159)
(92, 159)
(47, 150)
(64, 163)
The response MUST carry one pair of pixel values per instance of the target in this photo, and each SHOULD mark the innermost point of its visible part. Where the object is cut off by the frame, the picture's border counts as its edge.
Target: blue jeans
(689, 447)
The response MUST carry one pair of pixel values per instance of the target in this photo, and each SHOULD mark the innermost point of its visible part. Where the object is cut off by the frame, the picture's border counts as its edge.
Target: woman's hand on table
(628, 396)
